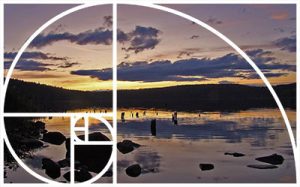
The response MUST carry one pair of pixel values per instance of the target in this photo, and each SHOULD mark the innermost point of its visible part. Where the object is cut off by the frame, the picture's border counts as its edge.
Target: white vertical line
(72, 158)
(1, 88)
(114, 58)
(86, 128)
(297, 89)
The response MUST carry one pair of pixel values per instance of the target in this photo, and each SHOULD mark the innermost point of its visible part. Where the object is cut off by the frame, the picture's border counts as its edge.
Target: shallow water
(175, 153)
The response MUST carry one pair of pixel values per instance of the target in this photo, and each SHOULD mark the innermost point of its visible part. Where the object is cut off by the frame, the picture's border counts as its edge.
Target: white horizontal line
(94, 143)
(71, 114)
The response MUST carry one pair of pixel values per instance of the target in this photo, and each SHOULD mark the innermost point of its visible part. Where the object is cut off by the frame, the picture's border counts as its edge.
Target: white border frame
(149, 4)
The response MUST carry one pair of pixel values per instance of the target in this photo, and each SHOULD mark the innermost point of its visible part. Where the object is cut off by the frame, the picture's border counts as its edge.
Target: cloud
(286, 44)
(194, 37)
(28, 65)
(105, 74)
(68, 64)
(107, 21)
(32, 60)
(33, 55)
(226, 82)
(280, 16)
(140, 39)
(267, 74)
(96, 36)
(214, 21)
(279, 29)
(184, 53)
(192, 69)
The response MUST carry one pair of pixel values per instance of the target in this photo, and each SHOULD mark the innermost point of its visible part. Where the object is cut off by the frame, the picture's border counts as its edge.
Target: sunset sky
(155, 48)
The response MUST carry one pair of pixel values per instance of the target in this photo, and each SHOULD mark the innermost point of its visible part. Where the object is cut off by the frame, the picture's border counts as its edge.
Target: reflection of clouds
(122, 164)
(35, 162)
(150, 161)
(257, 131)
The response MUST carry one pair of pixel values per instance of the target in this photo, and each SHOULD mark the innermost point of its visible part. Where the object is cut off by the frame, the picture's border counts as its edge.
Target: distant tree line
(32, 97)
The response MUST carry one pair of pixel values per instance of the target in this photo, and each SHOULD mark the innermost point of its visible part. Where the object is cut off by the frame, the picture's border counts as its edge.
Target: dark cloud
(105, 74)
(214, 21)
(184, 53)
(68, 64)
(140, 39)
(96, 36)
(28, 65)
(226, 82)
(192, 69)
(107, 21)
(267, 74)
(33, 55)
(194, 37)
(287, 43)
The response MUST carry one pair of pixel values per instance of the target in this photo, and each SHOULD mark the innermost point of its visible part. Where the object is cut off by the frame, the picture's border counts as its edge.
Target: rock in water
(134, 170)
(235, 154)
(205, 167)
(56, 138)
(262, 166)
(95, 136)
(80, 176)
(126, 146)
(31, 143)
(40, 124)
(95, 157)
(51, 167)
(273, 159)
(64, 163)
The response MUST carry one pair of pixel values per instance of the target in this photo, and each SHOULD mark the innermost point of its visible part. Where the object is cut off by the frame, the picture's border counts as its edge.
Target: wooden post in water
(123, 117)
(153, 127)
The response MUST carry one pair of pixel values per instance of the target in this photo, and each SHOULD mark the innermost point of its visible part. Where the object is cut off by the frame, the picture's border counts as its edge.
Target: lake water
(174, 154)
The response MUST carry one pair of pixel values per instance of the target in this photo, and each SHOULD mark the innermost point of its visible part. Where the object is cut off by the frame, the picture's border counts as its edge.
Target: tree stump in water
(153, 127)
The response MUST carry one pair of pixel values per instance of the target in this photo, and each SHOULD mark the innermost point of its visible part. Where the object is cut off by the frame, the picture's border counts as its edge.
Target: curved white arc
(80, 142)
(253, 65)
(9, 74)
(109, 163)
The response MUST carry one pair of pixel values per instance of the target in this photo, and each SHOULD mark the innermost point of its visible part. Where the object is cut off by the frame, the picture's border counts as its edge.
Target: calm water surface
(175, 153)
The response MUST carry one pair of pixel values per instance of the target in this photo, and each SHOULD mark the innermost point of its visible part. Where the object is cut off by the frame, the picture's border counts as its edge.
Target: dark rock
(234, 154)
(273, 159)
(51, 167)
(205, 167)
(95, 157)
(31, 143)
(67, 176)
(109, 173)
(44, 131)
(134, 170)
(126, 146)
(80, 176)
(64, 163)
(262, 166)
(56, 138)
(40, 124)
(95, 136)
(67, 145)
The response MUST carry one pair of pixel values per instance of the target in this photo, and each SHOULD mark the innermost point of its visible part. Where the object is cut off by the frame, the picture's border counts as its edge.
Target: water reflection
(176, 150)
